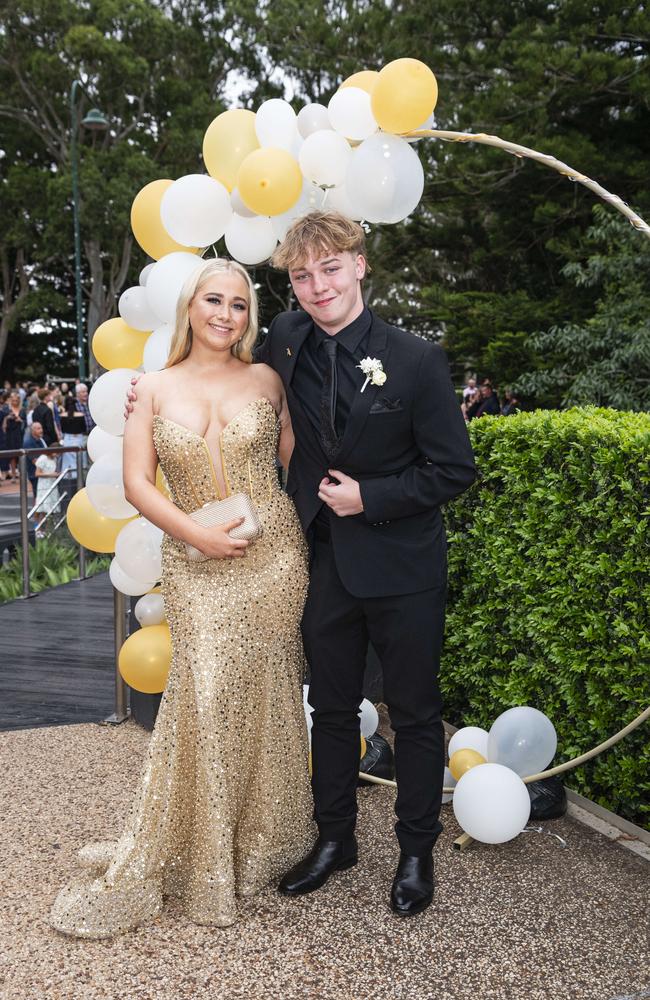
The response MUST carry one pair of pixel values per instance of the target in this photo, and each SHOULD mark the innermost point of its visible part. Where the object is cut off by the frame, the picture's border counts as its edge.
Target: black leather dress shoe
(326, 857)
(412, 886)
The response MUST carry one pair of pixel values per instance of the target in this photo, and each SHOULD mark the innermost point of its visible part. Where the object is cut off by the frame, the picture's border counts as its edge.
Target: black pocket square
(384, 404)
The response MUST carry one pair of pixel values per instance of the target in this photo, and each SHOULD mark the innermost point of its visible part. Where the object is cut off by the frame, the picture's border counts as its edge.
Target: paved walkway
(529, 920)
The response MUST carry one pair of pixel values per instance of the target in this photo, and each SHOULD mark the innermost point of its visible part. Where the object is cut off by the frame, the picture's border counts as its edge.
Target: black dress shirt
(312, 362)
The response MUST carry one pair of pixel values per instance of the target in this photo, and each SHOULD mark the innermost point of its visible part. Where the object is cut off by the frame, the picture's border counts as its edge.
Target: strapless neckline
(239, 413)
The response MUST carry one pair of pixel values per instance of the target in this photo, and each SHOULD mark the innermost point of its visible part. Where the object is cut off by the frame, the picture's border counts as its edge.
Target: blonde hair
(181, 344)
(316, 233)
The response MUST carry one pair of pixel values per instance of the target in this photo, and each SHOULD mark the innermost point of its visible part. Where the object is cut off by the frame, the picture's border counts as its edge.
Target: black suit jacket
(405, 442)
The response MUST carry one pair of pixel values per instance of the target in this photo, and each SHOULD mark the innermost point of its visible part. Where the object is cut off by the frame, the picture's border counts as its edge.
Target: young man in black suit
(380, 444)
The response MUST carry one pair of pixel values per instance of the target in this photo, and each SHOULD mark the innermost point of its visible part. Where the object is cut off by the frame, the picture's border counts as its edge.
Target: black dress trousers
(406, 631)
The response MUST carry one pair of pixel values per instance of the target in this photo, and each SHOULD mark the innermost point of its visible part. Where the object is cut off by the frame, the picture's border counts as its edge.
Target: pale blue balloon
(523, 739)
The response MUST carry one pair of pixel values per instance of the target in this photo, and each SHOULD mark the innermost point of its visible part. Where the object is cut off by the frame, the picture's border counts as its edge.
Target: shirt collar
(352, 335)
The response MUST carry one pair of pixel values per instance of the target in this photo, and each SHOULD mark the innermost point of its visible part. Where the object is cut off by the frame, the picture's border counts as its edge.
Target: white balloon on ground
(369, 718)
(385, 178)
(523, 739)
(313, 118)
(350, 113)
(106, 399)
(105, 487)
(144, 273)
(469, 738)
(448, 782)
(307, 707)
(135, 310)
(491, 803)
(195, 210)
(311, 198)
(324, 158)
(275, 124)
(125, 583)
(167, 277)
(156, 348)
(239, 206)
(100, 443)
(150, 610)
(137, 550)
(250, 241)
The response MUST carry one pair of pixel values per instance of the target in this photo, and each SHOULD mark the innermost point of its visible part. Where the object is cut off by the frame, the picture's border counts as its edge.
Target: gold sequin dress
(224, 805)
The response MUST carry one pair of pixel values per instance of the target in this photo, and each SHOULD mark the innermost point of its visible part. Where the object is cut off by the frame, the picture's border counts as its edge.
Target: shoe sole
(350, 863)
(413, 912)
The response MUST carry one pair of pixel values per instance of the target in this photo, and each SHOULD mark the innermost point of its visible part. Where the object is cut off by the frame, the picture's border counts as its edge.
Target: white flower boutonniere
(373, 369)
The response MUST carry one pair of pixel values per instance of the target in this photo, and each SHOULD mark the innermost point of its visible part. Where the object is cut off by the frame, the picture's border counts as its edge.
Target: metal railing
(120, 611)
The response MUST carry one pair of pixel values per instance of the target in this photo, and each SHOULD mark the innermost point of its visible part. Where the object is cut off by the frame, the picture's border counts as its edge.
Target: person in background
(469, 389)
(33, 438)
(31, 403)
(13, 425)
(471, 399)
(48, 499)
(44, 415)
(73, 427)
(487, 404)
(510, 404)
(4, 410)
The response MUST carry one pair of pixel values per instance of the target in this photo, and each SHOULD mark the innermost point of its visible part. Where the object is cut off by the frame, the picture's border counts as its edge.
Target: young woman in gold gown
(224, 804)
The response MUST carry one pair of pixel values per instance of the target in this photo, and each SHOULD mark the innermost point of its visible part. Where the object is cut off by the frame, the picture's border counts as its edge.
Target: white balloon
(369, 718)
(250, 241)
(105, 487)
(491, 803)
(307, 708)
(239, 206)
(385, 179)
(167, 277)
(448, 782)
(150, 610)
(311, 198)
(145, 272)
(523, 739)
(469, 738)
(338, 199)
(106, 399)
(195, 210)
(350, 113)
(125, 583)
(313, 118)
(324, 158)
(275, 124)
(137, 550)
(156, 349)
(100, 443)
(135, 310)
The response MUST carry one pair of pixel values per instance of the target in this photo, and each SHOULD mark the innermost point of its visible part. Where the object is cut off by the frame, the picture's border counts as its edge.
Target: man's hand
(131, 398)
(343, 497)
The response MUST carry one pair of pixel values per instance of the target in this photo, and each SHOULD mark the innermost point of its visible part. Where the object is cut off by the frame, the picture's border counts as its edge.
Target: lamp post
(96, 121)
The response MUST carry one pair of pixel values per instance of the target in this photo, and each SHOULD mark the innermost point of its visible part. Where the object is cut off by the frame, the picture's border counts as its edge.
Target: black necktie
(329, 437)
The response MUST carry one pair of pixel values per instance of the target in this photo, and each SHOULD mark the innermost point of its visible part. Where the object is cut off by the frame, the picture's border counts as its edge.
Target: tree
(606, 359)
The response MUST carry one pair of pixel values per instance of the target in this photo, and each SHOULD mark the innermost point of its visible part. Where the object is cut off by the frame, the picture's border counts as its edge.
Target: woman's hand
(216, 543)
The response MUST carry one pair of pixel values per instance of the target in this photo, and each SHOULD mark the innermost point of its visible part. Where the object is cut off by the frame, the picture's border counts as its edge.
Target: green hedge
(549, 589)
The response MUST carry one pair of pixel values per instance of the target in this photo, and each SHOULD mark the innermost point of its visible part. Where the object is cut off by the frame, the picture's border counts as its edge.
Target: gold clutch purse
(220, 512)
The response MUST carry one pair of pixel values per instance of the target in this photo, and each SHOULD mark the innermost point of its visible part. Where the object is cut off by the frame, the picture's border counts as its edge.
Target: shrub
(50, 563)
(549, 589)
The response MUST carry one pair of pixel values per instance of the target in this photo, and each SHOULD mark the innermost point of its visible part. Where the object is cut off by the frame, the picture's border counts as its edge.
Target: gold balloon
(464, 760)
(116, 345)
(269, 181)
(90, 528)
(145, 658)
(365, 80)
(147, 225)
(226, 144)
(404, 95)
(161, 482)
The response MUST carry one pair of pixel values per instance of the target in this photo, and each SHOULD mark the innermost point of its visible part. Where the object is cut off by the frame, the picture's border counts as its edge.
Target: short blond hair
(181, 344)
(319, 233)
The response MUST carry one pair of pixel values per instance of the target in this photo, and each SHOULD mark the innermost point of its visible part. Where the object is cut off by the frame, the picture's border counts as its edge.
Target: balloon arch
(264, 170)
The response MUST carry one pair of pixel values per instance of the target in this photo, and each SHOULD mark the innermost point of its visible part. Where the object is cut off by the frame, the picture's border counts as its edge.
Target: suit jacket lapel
(377, 348)
(288, 347)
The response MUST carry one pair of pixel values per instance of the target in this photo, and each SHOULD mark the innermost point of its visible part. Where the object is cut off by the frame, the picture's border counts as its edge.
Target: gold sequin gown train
(224, 806)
